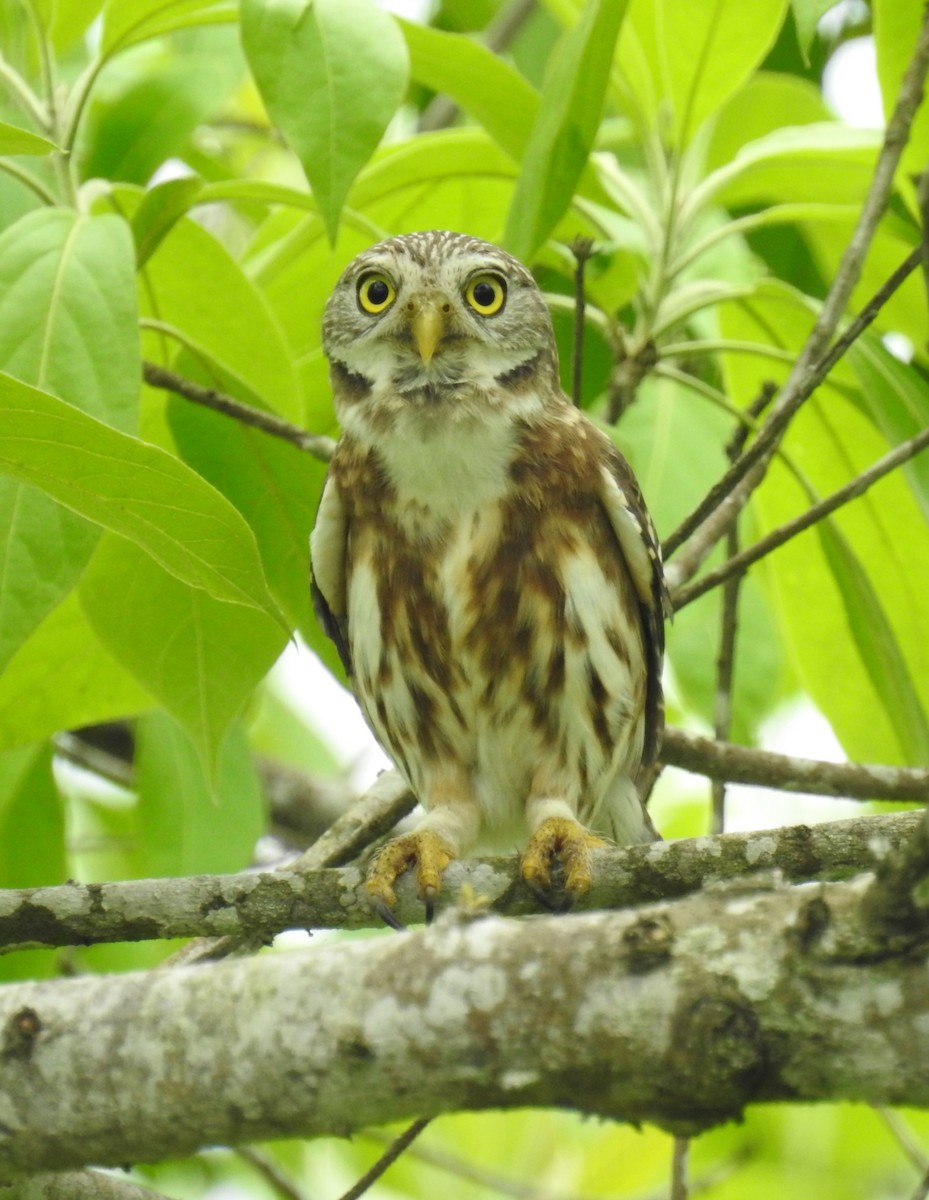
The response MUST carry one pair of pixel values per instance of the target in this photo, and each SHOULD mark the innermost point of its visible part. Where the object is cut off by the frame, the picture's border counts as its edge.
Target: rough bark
(679, 1013)
(258, 905)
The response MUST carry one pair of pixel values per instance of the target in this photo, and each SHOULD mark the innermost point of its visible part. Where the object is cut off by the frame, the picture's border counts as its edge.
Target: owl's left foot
(560, 840)
(423, 850)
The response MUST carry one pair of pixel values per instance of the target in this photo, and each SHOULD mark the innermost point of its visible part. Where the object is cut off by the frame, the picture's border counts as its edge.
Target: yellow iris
(375, 292)
(486, 294)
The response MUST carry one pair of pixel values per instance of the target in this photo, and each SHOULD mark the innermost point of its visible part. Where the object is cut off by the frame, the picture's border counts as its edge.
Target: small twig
(683, 594)
(679, 1159)
(387, 1159)
(725, 675)
(581, 248)
(904, 1137)
(315, 444)
(270, 1172)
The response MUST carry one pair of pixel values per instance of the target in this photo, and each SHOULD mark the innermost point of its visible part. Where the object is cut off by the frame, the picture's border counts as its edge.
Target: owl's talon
(386, 913)
(564, 841)
(424, 851)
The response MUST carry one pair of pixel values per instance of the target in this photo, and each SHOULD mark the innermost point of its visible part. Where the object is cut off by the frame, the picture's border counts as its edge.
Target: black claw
(386, 913)
(429, 895)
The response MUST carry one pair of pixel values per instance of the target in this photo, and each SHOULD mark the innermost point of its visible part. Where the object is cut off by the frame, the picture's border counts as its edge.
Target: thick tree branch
(313, 443)
(254, 906)
(679, 1013)
(77, 1185)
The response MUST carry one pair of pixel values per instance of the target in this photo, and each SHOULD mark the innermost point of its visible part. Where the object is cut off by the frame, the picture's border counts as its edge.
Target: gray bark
(258, 905)
(679, 1013)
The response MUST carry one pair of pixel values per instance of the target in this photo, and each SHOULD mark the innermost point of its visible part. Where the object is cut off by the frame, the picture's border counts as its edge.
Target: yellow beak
(427, 325)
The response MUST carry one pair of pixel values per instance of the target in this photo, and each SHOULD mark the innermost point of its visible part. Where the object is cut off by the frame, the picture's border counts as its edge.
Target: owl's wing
(625, 508)
(328, 544)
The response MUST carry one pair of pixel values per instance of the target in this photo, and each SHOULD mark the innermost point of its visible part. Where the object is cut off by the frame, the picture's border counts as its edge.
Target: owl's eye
(375, 292)
(486, 294)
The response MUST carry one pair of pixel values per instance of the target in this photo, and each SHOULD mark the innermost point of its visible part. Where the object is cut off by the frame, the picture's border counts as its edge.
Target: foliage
(153, 554)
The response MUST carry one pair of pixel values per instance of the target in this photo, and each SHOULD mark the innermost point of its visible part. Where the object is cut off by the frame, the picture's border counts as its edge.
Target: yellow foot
(559, 839)
(425, 850)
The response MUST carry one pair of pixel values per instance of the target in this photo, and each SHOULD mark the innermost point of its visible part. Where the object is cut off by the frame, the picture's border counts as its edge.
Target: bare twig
(725, 675)
(581, 248)
(739, 563)
(905, 1138)
(387, 1159)
(679, 1159)
(268, 1169)
(313, 443)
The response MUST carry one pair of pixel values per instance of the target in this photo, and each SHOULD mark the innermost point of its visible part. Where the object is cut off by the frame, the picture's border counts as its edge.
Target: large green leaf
(565, 128)
(135, 489)
(68, 324)
(689, 58)
(841, 611)
(184, 825)
(32, 828)
(200, 657)
(62, 678)
(332, 73)
(766, 102)
(482, 83)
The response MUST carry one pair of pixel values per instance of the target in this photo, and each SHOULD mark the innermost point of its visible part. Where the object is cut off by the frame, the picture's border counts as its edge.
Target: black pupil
(378, 291)
(484, 294)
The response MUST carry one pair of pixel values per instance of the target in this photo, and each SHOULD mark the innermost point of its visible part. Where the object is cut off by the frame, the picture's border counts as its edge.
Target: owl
(486, 566)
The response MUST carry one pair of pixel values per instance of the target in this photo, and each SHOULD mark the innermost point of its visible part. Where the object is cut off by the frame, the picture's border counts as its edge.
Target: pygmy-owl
(485, 564)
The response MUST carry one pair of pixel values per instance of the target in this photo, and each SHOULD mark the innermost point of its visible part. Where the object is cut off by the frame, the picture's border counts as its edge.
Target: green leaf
(806, 16)
(275, 486)
(877, 644)
(481, 82)
(14, 140)
(32, 828)
(67, 322)
(332, 74)
(567, 123)
(161, 208)
(897, 399)
(229, 320)
(126, 22)
(185, 826)
(200, 657)
(766, 102)
(134, 489)
(62, 678)
(146, 105)
(897, 25)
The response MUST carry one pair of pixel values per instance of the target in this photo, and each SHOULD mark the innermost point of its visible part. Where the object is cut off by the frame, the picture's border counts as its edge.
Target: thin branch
(799, 387)
(762, 768)
(581, 248)
(679, 1159)
(904, 1137)
(683, 594)
(270, 1172)
(316, 444)
(387, 1159)
(250, 908)
(725, 675)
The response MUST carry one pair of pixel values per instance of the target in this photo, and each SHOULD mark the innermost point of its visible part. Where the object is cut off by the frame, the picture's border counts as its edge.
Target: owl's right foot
(422, 851)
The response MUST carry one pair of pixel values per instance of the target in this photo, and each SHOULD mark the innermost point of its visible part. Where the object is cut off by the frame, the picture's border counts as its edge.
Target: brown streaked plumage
(485, 562)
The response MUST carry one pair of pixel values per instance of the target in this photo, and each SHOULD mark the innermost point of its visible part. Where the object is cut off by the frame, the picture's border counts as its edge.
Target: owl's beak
(427, 326)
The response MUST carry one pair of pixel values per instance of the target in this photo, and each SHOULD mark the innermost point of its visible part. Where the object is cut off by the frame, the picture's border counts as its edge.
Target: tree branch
(683, 594)
(313, 443)
(77, 1185)
(679, 1013)
(739, 764)
(252, 907)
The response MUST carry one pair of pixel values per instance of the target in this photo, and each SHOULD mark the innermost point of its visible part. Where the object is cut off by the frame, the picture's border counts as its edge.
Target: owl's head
(437, 313)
